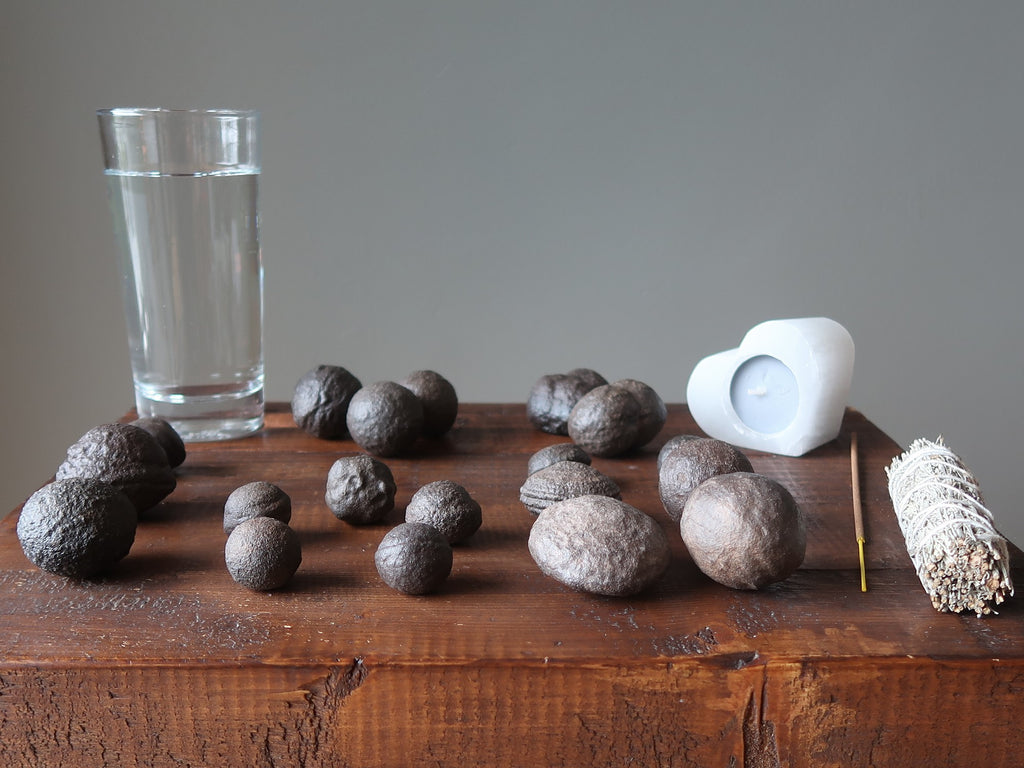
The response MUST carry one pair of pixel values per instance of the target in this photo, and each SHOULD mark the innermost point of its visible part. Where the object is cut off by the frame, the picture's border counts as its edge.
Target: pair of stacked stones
(85, 521)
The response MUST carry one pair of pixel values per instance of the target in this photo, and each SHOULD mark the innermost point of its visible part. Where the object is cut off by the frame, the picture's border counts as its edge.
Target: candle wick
(759, 391)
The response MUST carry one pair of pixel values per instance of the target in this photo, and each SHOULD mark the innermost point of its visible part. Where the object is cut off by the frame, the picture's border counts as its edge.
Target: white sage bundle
(961, 559)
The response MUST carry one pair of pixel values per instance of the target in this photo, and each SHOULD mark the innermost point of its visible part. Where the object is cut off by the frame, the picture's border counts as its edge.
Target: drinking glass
(183, 188)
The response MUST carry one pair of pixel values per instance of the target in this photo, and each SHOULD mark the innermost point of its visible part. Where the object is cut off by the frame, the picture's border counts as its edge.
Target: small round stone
(448, 507)
(689, 464)
(605, 421)
(553, 454)
(360, 490)
(553, 396)
(125, 456)
(564, 480)
(385, 418)
(438, 398)
(257, 499)
(167, 436)
(744, 530)
(598, 544)
(653, 412)
(670, 445)
(588, 376)
(414, 558)
(262, 554)
(321, 399)
(77, 527)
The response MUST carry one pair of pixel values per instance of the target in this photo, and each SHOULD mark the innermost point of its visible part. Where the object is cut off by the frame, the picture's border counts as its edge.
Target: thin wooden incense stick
(858, 513)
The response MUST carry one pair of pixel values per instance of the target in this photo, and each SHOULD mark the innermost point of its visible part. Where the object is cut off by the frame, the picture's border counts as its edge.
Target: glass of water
(183, 187)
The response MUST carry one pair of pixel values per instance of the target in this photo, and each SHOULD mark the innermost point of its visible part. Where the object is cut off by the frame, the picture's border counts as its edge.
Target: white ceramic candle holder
(783, 390)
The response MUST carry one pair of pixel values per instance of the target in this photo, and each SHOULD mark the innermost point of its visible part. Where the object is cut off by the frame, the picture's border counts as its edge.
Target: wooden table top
(172, 605)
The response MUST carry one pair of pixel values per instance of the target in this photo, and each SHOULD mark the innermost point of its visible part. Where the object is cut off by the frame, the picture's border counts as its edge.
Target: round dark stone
(125, 456)
(653, 412)
(262, 554)
(601, 545)
(321, 399)
(167, 436)
(77, 527)
(552, 399)
(385, 418)
(360, 490)
(553, 454)
(689, 464)
(670, 445)
(257, 499)
(414, 558)
(448, 507)
(438, 398)
(744, 530)
(590, 378)
(605, 421)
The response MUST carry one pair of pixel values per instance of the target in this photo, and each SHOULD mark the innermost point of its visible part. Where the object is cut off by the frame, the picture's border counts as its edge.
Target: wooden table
(167, 662)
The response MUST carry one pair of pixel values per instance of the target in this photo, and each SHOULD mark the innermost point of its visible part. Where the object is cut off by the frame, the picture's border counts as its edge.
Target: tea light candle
(783, 390)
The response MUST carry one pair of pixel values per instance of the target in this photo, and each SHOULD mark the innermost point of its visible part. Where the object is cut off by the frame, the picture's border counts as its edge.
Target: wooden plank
(166, 661)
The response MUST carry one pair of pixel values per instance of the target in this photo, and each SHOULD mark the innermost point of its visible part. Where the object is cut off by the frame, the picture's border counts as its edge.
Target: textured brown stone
(600, 545)
(256, 499)
(653, 412)
(77, 527)
(744, 530)
(553, 396)
(606, 421)
(545, 457)
(125, 456)
(167, 436)
(689, 463)
(321, 399)
(360, 490)
(385, 418)
(414, 558)
(262, 553)
(564, 480)
(438, 398)
(448, 507)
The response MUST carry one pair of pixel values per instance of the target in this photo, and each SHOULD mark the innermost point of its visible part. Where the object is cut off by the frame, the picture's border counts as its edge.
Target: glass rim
(143, 111)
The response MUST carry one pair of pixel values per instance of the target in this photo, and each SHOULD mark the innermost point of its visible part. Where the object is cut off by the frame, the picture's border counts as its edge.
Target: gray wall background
(503, 189)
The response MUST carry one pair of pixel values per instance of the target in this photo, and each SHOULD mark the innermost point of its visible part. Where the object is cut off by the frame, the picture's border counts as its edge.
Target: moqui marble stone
(438, 398)
(167, 436)
(689, 464)
(126, 457)
(553, 396)
(606, 421)
(600, 545)
(414, 558)
(321, 399)
(448, 507)
(262, 554)
(360, 489)
(256, 499)
(744, 530)
(77, 527)
(564, 480)
(385, 418)
(545, 457)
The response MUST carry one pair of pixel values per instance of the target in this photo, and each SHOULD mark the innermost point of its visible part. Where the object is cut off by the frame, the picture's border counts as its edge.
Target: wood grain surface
(165, 661)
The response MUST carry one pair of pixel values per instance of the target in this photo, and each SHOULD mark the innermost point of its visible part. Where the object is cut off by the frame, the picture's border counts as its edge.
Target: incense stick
(858, 514)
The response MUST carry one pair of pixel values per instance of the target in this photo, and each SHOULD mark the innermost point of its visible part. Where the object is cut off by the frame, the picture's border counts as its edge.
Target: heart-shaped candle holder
(783, 390)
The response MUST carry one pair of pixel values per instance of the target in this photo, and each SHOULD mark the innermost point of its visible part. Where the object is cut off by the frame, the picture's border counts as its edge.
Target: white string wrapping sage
(961, 559)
